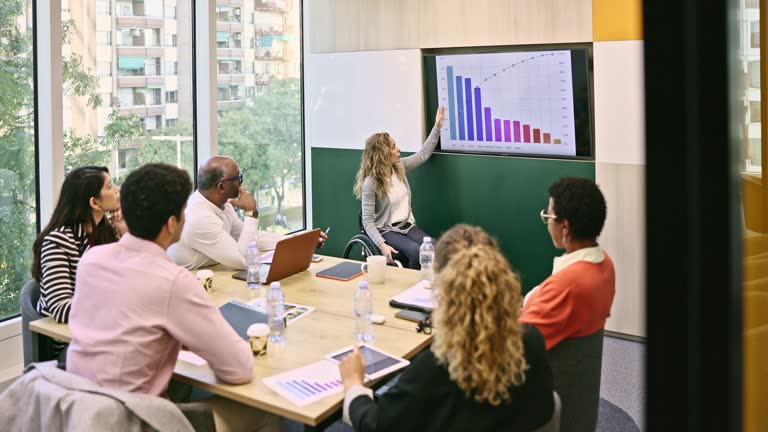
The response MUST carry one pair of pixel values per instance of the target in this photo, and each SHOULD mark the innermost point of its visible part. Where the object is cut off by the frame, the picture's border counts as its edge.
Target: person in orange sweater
(575, 301)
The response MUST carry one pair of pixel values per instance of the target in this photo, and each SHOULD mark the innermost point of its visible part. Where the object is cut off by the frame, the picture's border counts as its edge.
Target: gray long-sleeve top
(376, 210)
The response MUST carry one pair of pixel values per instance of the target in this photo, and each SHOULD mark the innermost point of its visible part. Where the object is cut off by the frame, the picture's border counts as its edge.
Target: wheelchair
(366, 246)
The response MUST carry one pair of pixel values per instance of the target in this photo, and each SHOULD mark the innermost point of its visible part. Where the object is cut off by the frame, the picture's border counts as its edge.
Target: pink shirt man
(132, 310)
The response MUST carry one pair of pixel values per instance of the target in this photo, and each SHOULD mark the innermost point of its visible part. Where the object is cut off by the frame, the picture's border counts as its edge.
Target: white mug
(375, 266)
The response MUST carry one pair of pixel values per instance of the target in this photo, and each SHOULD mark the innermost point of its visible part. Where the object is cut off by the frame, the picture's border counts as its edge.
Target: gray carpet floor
(622, 389)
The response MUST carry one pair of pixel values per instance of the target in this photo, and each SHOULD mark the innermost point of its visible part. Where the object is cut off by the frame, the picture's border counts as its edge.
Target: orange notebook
(342, 271)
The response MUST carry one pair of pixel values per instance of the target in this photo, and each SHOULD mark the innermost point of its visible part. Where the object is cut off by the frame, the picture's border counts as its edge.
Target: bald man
(213, 233)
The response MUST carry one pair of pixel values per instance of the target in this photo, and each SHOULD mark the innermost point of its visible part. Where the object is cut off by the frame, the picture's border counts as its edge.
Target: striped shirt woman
(80, 220)
(61, 252)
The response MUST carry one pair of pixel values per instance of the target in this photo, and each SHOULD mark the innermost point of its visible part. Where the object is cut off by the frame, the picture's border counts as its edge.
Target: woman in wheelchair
(383, 187)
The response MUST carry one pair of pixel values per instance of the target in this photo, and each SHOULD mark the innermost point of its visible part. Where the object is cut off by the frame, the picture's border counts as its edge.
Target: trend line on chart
(513, 65)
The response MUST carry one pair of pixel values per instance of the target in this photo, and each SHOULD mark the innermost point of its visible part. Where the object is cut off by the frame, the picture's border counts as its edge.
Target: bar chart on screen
(507, 102)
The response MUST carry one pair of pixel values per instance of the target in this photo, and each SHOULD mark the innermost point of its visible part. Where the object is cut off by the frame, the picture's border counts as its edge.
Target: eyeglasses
(238, 177)
(545, 217)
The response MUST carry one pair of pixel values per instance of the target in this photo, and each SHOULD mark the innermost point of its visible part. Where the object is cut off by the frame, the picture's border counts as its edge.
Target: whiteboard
(349, 96)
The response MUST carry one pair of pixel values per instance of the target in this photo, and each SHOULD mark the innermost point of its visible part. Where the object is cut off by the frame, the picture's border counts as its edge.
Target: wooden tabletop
(325, 330)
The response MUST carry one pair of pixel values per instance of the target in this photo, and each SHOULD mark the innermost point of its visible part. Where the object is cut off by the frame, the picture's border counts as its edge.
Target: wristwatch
(252, 213)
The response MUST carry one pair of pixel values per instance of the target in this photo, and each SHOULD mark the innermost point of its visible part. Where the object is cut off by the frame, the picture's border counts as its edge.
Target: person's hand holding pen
(323, 238)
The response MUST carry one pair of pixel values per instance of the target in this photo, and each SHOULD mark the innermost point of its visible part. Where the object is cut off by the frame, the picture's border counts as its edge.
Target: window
(754, 111)
(111, 132)
(18, 211)
(103, 7)
(169, 123)
(272, 161)
(170, 68)
(170, 12)
(754, 34)
(170, 40)
(104, 68)
(104, 38)
(754, 74)
(171, 96)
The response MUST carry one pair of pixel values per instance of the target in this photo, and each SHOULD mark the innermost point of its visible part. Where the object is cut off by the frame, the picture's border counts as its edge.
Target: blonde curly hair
(479, 336)
(376, 163)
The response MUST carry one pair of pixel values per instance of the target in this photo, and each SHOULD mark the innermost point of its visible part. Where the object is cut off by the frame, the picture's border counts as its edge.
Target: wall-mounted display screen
(533, 102)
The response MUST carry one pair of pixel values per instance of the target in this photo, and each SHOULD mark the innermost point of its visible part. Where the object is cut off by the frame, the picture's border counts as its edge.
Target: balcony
(269, 29)
(230, 104)
(143, 111)
(230, 79)
(271, 6)
(269, 54)
(230, 2)
(139, 81)
(138, 51)
(230, 27)
(262, 78)
(230, 52)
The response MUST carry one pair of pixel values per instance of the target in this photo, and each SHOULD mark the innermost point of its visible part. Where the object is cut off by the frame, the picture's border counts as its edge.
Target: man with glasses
(213, 232)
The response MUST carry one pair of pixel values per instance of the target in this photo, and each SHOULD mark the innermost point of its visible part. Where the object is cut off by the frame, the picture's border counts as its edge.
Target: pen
(326, 230)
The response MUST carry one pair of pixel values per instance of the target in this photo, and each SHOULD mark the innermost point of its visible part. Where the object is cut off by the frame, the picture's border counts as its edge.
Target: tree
(17, 158)
(265, 139)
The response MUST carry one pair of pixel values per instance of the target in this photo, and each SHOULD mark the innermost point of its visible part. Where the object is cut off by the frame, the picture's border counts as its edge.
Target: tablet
(377, 363)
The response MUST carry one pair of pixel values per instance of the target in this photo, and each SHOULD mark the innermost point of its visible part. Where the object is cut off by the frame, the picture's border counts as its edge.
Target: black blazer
(425, 399)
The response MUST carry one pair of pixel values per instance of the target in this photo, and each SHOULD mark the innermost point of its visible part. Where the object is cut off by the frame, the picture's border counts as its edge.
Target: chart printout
(510, 103)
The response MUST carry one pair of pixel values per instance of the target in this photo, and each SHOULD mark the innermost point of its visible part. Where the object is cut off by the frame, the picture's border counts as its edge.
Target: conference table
(327, 329)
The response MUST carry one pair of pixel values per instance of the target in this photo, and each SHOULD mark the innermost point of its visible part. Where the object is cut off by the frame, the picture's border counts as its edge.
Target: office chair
(576, 365)
(28, 298)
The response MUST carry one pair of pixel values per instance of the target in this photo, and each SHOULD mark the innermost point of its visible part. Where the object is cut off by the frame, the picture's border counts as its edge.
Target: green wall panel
(501, 194)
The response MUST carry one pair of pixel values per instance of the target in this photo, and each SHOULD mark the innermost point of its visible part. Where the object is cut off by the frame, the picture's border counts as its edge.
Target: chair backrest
(553, 425)
(30, 294)
(576, 365)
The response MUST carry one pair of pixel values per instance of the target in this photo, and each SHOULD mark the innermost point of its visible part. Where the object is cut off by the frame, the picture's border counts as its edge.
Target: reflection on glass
(18, 211)
(259, 105)
(128, 83)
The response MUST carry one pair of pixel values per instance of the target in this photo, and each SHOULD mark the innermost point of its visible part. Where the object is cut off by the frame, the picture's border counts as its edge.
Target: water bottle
(275, 312)
(253, 269)
(363, 311)
(427, 260)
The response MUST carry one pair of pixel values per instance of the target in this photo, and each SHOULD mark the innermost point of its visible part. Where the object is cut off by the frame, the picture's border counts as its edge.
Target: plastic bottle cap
(427, 239)
(274, 285)
(363, 284)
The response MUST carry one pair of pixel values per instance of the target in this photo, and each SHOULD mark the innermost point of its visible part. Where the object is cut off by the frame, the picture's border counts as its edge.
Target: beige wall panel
(455, 23)
(623, 238)
(360, 25)
(619, 102)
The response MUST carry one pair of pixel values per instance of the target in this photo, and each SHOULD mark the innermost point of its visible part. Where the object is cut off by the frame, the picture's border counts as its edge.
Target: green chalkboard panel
(501, 194)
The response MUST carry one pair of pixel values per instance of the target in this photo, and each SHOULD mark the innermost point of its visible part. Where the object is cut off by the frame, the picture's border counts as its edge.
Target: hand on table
(352, 368)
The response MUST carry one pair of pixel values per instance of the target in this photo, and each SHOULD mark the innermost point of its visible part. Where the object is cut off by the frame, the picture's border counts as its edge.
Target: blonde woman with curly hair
(484, 372)
(383, 187)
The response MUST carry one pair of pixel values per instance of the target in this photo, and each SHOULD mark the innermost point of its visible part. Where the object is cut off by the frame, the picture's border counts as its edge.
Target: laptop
(292, 255)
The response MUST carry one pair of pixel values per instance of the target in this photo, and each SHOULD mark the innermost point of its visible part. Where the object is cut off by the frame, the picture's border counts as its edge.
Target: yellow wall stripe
(614, 20)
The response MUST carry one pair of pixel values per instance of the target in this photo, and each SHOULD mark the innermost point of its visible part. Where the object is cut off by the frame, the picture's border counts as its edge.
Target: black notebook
(343, 271)
(240, 316)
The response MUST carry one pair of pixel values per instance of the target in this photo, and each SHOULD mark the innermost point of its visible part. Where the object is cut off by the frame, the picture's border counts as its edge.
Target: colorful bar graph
(516, 125)
(470, 122)
(478, 114)
(527, 133)
(488, 134)
(460, 105)
(497, 129)
(546, 138)
(451, 104)
(537, 136)
(507, 131)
